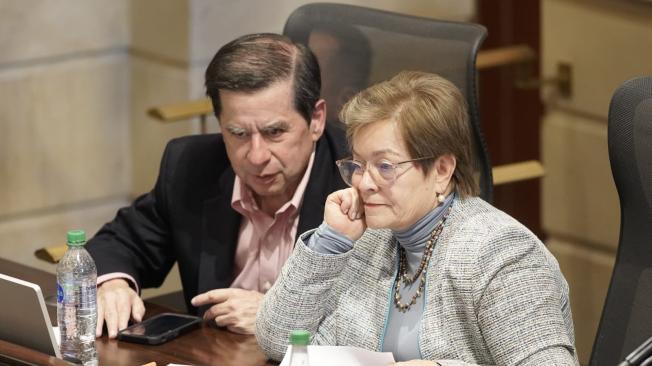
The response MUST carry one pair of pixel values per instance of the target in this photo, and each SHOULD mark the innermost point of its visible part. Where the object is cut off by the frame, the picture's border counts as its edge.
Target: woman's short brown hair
(431, 115)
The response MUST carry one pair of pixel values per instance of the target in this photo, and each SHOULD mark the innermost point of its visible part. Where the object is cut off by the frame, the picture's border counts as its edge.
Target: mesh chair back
(627, 315)
(357, 47)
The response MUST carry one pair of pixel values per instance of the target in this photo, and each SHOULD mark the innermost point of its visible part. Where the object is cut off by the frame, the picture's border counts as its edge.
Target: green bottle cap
(300, 337)
(76, 238)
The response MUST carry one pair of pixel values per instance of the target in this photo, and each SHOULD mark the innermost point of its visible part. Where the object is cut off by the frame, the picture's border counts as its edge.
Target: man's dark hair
(255, 61)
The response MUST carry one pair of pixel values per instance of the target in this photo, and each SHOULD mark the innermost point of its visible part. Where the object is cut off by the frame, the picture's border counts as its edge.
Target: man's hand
(234, 308)
(116, 303)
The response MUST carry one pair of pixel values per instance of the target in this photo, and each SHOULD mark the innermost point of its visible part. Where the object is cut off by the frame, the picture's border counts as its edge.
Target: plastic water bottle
(77, 301)
(299, 340)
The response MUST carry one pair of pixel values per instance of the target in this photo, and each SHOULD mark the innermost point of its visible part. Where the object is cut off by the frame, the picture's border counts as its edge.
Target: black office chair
(357, 47)
(627, 315)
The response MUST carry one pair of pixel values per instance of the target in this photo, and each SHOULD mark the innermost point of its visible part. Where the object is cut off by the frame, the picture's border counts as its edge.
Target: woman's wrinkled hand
(344, 212)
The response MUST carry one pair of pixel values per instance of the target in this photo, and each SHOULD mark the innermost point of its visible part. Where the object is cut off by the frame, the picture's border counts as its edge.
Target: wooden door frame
(511, 117)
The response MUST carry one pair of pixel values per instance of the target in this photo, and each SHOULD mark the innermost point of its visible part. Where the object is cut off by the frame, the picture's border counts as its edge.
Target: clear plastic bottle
(299, 340)
(77, 301)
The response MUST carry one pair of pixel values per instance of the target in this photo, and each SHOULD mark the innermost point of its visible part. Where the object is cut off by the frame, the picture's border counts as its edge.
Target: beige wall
(607, 42)
(76, 78)
(65, 158)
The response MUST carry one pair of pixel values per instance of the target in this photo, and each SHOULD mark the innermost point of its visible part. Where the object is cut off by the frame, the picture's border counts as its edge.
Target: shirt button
(266, 286)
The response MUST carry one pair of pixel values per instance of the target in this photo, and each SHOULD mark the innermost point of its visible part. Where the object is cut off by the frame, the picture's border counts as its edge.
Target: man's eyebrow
(235, 128)
(276, 124)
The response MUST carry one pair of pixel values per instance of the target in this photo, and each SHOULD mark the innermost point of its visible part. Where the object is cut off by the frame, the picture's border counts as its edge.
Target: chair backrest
(627, 315)
(357, 47)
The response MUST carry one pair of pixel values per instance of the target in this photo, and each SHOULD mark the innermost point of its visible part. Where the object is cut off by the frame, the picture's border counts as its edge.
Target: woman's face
(396, 203)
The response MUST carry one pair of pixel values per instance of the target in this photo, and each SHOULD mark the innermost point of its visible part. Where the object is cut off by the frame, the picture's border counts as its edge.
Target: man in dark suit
(228, 207)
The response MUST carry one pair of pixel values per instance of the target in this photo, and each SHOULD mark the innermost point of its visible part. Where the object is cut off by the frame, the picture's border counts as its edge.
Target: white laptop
(24, 319)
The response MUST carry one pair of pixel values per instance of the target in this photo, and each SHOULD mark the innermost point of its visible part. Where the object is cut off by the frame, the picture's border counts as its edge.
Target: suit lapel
(220, 227)
(324, 179)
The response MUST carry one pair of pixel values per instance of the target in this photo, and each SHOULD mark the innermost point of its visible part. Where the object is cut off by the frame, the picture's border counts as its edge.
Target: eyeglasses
(383, 172)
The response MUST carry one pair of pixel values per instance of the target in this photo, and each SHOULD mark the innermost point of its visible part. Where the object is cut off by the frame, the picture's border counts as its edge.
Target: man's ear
(444, 168)
(318, 120)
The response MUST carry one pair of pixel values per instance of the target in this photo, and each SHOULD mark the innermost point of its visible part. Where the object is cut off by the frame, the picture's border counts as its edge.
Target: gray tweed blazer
(494, 295)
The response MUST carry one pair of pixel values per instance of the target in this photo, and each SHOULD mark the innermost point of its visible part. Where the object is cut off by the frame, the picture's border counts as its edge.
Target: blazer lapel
(220, 226)
(324, 179)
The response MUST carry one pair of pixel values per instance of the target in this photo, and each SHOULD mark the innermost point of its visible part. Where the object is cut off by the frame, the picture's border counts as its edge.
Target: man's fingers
(124, 312)
(217, 310)
(212, 296)
(224, 320)
(238, 329)
(116, 301)
(137, 309)
(200, 299)
(237, 313)
(111, 317)
(100, 318)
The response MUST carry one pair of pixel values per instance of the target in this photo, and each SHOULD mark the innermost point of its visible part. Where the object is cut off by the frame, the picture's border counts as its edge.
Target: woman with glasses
(409, 260)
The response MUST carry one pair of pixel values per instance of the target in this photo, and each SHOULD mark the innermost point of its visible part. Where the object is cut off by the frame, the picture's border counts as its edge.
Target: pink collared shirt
(264, 242)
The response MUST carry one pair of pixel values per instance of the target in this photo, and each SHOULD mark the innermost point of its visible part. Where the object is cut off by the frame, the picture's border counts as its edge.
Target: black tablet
(159, 329)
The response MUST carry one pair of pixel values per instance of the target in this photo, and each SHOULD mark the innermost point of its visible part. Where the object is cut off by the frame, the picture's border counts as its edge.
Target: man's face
(268, 142)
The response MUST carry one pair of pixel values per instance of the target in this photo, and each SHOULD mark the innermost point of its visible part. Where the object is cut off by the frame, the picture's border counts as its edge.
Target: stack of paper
(343, 356)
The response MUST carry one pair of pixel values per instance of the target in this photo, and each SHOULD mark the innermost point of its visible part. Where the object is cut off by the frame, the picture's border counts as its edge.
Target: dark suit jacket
(188, 218)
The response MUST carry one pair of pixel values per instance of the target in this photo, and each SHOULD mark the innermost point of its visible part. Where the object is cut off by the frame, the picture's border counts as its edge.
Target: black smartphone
(159, 329)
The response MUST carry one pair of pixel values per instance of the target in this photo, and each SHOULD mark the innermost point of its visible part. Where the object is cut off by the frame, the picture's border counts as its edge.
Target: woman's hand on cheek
(344, 212)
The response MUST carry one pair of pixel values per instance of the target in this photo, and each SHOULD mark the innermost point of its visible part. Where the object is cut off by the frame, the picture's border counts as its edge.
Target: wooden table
(206, 345)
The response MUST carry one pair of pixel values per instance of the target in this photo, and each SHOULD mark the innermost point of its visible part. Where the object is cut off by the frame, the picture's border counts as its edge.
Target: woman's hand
(344, 212)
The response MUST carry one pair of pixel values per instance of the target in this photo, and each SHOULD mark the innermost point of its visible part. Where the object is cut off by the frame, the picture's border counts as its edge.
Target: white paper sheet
(57, 334)
(343, 356)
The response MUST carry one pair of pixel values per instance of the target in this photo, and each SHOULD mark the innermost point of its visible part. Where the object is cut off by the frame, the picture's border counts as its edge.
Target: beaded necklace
(420, 272)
